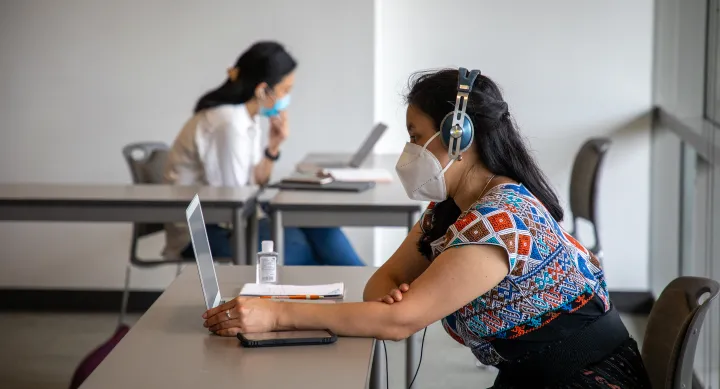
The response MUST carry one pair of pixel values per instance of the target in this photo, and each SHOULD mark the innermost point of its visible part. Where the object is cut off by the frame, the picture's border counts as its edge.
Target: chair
(673, 329)
(584, 186)
(146, 161)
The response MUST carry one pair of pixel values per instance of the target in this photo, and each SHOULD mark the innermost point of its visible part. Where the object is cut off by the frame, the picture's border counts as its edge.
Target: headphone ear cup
(467, 131)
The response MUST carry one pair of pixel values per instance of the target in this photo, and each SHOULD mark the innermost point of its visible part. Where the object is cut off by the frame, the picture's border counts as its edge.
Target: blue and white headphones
(456, 128)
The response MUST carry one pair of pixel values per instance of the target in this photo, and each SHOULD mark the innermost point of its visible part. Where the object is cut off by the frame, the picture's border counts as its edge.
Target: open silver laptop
(203, 256)
(359, 157)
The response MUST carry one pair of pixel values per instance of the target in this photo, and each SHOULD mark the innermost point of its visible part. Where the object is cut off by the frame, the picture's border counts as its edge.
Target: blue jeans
(303, 246)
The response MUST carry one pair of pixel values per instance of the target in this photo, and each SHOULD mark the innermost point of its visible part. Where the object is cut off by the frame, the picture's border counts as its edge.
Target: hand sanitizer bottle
(266, 264)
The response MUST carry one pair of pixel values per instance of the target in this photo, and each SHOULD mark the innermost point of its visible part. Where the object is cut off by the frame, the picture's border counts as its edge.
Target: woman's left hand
(395, 294)
(242, 315)
(279, 130)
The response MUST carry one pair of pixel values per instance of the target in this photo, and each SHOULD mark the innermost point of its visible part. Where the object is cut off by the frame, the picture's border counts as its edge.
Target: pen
(295, 297)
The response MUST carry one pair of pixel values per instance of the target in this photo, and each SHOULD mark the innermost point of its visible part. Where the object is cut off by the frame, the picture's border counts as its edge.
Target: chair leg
(125, 296)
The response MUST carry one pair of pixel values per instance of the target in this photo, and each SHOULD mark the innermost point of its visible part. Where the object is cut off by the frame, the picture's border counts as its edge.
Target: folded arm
(454, 279)
(404, 266)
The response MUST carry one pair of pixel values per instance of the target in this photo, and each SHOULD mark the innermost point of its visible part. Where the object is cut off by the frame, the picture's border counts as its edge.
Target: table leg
(252, 237)
(278, 235)
(239, 235)
(378, 372)
(412, 344)
(412, 357)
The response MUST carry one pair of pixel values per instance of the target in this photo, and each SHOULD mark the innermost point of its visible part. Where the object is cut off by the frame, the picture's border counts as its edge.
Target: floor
(41, 351)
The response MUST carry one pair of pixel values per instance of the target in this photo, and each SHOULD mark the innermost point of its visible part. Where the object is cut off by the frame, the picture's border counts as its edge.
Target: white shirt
(217, 147)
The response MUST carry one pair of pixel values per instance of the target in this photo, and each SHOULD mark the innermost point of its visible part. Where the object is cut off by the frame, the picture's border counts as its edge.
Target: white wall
(81, 78)
(570, 70)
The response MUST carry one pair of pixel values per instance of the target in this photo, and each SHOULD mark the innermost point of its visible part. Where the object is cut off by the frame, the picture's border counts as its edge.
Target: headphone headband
(466, 79)
(459, 139)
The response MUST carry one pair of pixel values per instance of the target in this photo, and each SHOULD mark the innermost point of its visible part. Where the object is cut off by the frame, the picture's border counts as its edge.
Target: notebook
(307, 179)
(300, 292)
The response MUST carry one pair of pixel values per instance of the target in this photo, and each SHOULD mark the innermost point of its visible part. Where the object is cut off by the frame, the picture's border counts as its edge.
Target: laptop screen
(201, 246)
(367, 146)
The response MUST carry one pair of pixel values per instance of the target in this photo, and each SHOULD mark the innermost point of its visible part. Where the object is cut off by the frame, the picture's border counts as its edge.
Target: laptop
(332, 186)
(357, 159)
(205, 264)
(203, 256)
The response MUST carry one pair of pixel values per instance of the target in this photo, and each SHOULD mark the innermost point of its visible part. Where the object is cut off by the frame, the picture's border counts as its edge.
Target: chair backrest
(584, 181)
(146, 161)
(673, 329)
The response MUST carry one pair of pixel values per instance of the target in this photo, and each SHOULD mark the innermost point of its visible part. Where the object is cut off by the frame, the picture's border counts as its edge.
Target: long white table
(169, 348)
(134, 203)
(385, 205)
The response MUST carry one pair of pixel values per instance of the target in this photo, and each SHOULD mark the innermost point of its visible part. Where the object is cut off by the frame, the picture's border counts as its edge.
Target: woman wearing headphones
(488, 258)
(221, 146)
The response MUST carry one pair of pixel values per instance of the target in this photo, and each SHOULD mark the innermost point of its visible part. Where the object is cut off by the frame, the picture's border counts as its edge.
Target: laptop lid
(203, 256)
(367, 146)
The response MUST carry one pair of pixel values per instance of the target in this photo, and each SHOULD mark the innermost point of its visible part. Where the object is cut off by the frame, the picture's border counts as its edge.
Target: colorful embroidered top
(552, 278)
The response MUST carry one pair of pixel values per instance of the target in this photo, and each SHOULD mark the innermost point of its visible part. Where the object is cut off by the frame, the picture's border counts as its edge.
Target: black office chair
(146, 161)
(673, 329)
(584, 185)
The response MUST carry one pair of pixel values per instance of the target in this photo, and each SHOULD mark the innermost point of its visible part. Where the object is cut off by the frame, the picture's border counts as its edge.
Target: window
(712, 73)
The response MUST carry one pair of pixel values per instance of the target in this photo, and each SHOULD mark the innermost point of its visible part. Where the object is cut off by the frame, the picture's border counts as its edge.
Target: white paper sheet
(336, 290)
(360, 175)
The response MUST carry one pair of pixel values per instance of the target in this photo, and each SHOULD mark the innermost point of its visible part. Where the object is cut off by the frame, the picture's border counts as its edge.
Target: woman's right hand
(395, 294)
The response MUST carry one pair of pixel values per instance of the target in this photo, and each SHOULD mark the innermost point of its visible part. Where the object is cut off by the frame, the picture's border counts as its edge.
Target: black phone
(287, 338)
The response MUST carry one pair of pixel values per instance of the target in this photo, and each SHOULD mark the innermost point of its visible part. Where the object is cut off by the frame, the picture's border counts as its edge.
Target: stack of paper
(359, 175)
(301, 292)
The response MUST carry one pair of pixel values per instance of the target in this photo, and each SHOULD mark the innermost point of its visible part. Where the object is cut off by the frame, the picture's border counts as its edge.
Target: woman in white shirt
(220, 146)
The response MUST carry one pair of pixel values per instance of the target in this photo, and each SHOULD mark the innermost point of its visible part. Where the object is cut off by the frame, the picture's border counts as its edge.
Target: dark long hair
(262, 62)
(497, 141)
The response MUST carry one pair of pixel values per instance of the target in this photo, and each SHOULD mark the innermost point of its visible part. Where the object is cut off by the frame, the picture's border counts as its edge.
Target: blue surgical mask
(280, 105)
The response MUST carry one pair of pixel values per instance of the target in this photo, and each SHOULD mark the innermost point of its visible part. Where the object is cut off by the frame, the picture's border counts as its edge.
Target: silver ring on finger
(227, 313)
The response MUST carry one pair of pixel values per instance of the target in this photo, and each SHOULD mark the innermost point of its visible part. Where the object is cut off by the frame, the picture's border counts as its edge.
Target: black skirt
(621, 369)
(600, 355)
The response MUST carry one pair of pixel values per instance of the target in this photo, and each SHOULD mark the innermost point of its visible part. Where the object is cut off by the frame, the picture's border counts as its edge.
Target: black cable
(387, 373)
(422, 345)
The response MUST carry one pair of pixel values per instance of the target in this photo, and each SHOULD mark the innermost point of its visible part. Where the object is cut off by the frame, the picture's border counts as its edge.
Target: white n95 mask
(421, 174)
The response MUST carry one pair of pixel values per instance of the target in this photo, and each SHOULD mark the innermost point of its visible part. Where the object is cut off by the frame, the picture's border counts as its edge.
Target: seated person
(220, 146)
(488, 258)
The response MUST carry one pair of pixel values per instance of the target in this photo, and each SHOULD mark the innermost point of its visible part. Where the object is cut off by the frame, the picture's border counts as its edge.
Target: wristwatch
(271, 157)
